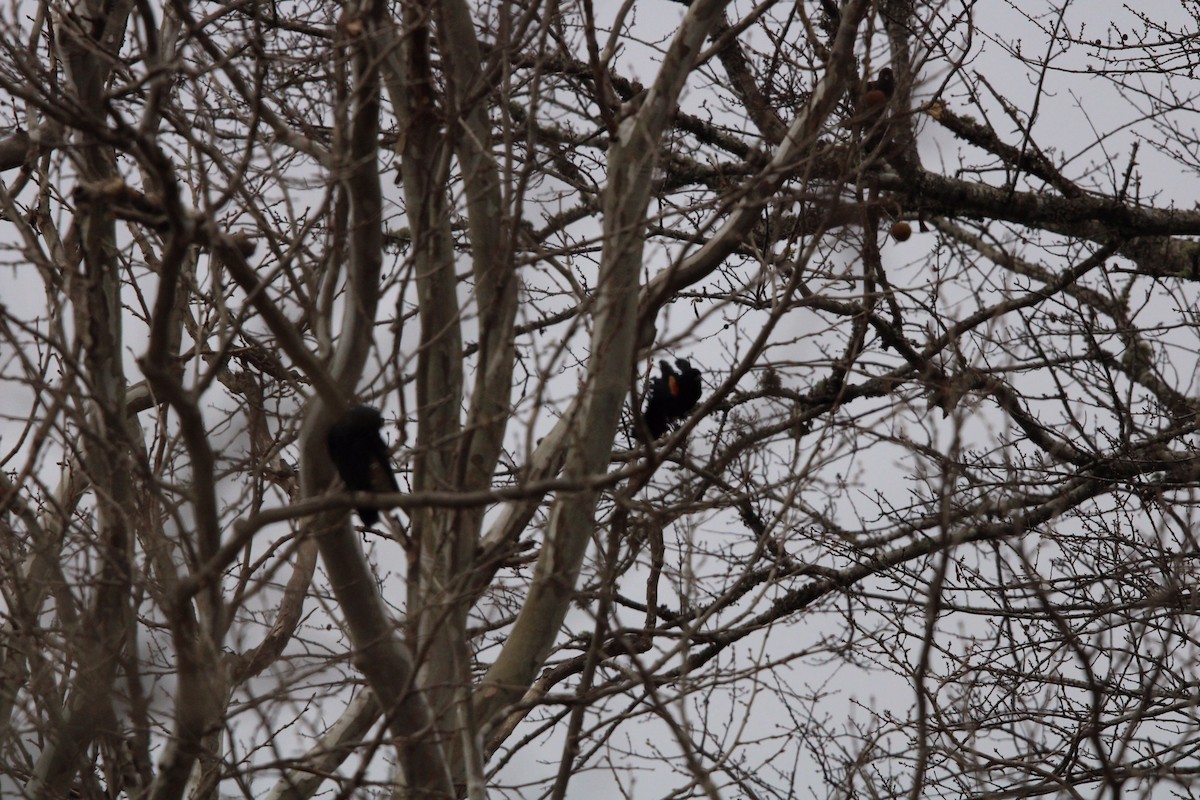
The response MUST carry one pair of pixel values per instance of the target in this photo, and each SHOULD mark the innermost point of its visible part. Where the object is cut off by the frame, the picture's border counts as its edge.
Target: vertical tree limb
(89, 58)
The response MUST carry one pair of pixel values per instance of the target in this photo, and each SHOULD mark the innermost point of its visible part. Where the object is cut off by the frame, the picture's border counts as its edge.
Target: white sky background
(1072, 109)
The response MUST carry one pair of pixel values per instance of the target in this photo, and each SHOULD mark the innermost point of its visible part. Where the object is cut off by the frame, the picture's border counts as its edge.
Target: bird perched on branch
(879, 91)
(671, 396)
(873, 105)
(361, 456)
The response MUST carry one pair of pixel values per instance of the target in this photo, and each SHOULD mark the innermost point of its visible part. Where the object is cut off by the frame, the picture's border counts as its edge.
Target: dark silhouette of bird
(880, 90)
(671, 396)
(869, 107)
(872, 106)
(361, 456)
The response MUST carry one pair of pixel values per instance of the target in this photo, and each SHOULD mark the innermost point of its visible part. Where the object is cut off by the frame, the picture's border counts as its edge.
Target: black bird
(671, 396)
(361, 456)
